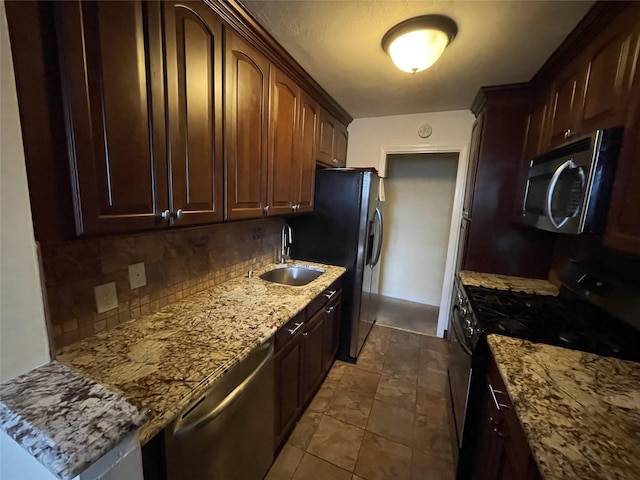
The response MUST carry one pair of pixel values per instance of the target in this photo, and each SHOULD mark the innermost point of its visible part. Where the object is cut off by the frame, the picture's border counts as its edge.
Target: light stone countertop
(63, 419)
(580, 412)
(160, 362)
(506, 282)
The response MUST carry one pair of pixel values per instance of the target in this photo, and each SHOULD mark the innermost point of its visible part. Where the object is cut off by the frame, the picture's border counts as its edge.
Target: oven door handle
(551, 190)
(457, 333)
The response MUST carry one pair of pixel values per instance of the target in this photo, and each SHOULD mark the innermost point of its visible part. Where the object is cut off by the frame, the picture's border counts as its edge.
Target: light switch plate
(106, 297)
(137, 275)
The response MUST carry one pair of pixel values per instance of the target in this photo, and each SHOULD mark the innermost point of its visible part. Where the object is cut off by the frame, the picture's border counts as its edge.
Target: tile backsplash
(177, 263)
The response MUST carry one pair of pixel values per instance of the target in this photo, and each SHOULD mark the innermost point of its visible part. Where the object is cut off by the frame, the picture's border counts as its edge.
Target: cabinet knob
(179, 214)
(335, 161)
(166, 215)
(569, 133)
(266, 210)
(293, 207)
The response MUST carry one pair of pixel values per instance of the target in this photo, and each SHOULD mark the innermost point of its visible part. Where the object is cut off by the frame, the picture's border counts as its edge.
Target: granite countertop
(162, 361)
(506, 282)
(580, 412)
(63, 419)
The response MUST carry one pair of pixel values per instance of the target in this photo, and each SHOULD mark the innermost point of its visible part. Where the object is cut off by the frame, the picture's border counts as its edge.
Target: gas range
(593, 312)
(563, 321)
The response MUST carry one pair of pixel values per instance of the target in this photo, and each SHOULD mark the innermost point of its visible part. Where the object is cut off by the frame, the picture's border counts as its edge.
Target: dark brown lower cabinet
(313, 361)
(332, 329)
(502, 452)
(304, 351)
(288, 376)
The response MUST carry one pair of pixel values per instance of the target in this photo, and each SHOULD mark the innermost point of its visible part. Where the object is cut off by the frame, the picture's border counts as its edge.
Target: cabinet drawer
(292, 329)
(321, 300)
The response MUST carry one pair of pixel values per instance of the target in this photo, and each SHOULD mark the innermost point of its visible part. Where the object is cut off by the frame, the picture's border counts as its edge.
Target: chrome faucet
(286, 241)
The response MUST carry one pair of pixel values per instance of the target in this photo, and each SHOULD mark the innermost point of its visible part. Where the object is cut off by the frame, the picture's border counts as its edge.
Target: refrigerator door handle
(376, 259)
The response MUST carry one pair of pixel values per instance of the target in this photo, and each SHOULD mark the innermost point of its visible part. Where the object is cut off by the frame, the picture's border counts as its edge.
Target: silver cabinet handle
(499, 406)
(330, 293)
(569, 133)
(179, 214)
(335, 161)
(331, 309)
(298, 327)
(266, 210)
(166, 215)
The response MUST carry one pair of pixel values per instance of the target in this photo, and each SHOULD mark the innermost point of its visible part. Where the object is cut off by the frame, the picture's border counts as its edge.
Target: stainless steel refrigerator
(346, 229)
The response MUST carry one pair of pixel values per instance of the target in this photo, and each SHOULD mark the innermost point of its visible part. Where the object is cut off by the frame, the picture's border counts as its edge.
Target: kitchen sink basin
(292, 275)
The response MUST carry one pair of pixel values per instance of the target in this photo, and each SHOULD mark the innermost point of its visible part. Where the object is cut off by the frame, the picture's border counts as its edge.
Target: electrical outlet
(106, 297)
(137, 275)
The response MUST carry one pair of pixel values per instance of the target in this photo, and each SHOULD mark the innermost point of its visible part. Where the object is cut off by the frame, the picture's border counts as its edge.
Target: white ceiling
(338, 44)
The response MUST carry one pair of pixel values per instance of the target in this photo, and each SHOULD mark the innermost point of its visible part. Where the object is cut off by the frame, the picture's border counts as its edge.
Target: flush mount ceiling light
(415, 44)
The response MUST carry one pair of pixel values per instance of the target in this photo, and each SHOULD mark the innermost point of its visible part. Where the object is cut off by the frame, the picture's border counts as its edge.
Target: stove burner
(561, 321)
(514, 327)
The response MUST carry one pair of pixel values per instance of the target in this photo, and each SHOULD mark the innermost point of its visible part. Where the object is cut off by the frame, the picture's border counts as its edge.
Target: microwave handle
(551, 189)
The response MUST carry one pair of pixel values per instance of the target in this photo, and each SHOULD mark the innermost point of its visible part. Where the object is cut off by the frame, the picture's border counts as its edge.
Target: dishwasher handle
(234, 395)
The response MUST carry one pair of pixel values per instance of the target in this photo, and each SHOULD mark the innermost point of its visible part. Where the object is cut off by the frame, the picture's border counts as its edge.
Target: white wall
(419, 200)
(368, 137)
(23, 335)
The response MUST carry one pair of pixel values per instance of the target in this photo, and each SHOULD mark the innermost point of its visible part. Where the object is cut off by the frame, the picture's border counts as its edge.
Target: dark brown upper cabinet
(536, 131)
(246, 128)
(193, 49)
(112, 81)
(474, 153)
(332, 141)
(593, 89)
(271, 129)
(566, 98)
(623, 227)
(284, 160)
(307, 135)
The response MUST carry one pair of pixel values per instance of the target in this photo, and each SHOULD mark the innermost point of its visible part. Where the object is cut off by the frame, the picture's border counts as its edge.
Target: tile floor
(411, 316)
(385, 418)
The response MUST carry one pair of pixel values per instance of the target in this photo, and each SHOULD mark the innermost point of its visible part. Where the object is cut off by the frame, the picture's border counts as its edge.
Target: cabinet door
(340, 145)
(283, 165)
(288, 388)
(193, 49)
(246, 126)
(307, 153)
(474, 153)
(502, 451)
(332, 330)
(612, 58)
(313, 341)
(111, 61)
(603, 89)
(536, 129)
(566, 101)
(326, 136)
(623, 227)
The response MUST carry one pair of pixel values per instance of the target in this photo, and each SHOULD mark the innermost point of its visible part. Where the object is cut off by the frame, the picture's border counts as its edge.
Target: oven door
(459, 370)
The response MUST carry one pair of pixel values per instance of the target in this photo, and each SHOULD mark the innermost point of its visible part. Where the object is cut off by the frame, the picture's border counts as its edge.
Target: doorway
(419, 196)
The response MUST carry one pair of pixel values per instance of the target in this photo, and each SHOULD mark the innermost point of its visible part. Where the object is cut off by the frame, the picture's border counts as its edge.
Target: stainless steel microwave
(568, 188)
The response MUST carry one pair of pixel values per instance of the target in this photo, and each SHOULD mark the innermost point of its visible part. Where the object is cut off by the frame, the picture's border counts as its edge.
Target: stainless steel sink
(292, 275)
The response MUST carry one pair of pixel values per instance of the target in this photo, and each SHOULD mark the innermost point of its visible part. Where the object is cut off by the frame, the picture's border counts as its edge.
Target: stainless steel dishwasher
(228, 433)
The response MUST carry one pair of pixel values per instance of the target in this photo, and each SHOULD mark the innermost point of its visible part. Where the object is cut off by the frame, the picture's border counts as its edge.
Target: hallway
(385, 418)
(405, 315)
